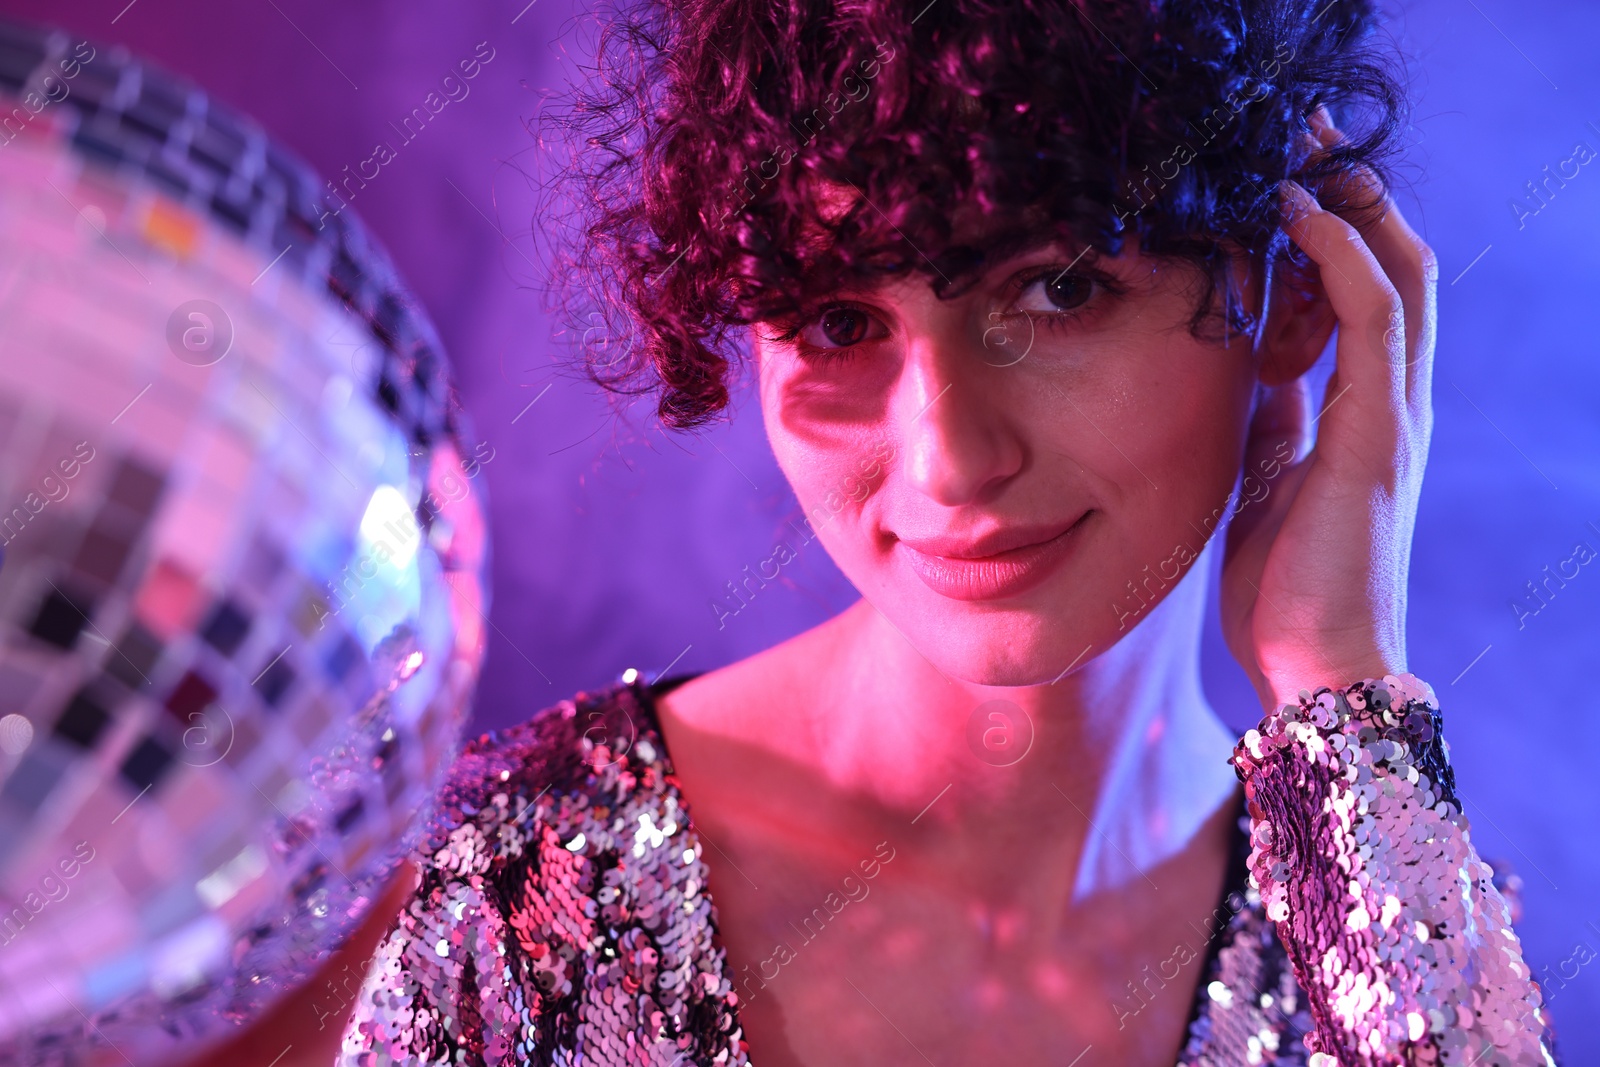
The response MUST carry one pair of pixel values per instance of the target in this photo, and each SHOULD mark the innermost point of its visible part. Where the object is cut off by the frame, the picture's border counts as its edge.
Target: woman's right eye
(839, 327)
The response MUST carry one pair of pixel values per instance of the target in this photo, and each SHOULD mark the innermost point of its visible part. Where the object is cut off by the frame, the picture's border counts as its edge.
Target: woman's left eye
(1052, 292)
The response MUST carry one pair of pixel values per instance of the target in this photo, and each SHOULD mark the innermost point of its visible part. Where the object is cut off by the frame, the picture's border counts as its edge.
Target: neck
(1125, 762)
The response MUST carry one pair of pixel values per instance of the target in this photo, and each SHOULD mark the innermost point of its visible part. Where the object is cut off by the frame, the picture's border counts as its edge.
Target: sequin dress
(563, 919)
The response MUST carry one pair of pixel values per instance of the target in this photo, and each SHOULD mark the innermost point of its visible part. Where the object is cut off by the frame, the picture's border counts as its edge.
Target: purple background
(612, 537)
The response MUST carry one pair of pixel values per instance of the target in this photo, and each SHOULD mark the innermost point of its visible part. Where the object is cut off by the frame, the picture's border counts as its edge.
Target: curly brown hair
(696, 149)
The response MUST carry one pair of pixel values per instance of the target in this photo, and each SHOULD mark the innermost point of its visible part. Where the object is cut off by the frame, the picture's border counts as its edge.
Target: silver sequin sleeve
(1364, 859)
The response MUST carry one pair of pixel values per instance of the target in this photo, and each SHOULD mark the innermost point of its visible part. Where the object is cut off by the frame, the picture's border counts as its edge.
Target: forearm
(1364, 860)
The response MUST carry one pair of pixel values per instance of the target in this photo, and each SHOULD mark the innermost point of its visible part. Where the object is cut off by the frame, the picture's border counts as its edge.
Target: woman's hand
(1314, 576)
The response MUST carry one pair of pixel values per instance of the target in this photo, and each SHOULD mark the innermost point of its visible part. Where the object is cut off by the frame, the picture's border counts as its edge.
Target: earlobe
(1299, 322)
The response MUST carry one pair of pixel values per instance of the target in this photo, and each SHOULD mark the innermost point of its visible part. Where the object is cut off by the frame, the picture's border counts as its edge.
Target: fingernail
(1296, 202)
(1322, 125)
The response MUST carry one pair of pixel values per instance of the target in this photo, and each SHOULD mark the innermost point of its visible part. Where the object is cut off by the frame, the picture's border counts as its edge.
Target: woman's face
(1012, 476)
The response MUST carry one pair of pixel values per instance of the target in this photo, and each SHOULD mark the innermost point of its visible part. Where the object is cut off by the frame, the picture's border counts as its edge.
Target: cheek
(835, 464)
(1160, 434)
(829, 475)
(830, 405)
(1184, 434)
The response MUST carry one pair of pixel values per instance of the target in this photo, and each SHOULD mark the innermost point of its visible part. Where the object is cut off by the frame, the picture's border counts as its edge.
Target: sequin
(567, 886)
(1419, 927)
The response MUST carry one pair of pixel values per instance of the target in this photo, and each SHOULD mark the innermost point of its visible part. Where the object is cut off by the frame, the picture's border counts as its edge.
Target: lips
(1002, 563)
(994, 543)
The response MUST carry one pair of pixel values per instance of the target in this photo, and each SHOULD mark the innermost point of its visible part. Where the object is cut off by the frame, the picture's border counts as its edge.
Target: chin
(998, 649)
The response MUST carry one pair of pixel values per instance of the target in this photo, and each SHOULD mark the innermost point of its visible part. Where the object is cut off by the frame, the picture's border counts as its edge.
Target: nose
(961, 443)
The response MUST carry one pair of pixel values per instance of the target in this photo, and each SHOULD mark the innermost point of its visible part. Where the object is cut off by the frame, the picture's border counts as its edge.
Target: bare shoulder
(743, 738)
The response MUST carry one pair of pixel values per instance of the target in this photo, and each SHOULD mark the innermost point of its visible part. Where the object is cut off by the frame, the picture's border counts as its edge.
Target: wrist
(1397, 707)
(1284, 686)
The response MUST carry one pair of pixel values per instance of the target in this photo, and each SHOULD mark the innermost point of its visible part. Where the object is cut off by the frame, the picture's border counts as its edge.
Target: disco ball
(242, 586)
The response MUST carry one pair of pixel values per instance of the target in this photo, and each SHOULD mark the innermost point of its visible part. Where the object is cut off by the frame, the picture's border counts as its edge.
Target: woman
(1028, 288)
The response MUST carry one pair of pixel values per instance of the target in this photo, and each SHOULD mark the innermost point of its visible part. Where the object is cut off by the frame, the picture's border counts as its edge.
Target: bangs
(736, 161)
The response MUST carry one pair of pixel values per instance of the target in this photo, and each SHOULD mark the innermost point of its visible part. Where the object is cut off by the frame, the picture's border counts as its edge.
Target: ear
(1299, 321)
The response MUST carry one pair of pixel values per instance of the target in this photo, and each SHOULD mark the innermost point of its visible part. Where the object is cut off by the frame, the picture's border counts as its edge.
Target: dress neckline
(1235, 881)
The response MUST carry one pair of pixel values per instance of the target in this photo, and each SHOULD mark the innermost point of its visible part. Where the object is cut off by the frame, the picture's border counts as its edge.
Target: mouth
(1004, 564)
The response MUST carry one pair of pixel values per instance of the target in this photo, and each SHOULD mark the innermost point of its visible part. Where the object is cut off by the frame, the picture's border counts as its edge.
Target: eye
(840, 326)
(1056, 291)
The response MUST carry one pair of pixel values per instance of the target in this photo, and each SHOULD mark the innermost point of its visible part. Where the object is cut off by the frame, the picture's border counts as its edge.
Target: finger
(1268, 487)
(1331, 392)
(1279, 439)
(1283, 417)
(1358, 290)
(1411, 266)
